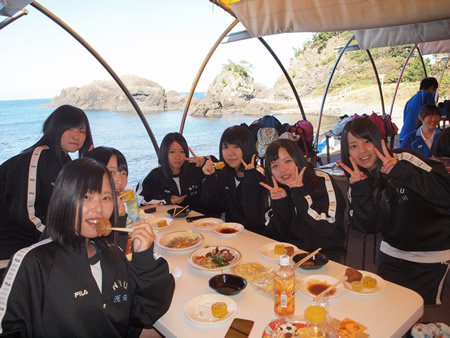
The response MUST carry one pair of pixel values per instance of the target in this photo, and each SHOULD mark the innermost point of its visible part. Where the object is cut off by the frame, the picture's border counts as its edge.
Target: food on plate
(282, 328)
(219, 165)
(357, 286)
(185, 240)
(369, 282)
(289, 250)
(353, 275)
(219, 309)
(249, 270)
(316, 287)
(162, 224)
(103, 227)
(279, 249)
(214, 259)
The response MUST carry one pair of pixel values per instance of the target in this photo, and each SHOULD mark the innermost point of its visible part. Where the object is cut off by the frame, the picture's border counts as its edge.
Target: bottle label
(284, 297)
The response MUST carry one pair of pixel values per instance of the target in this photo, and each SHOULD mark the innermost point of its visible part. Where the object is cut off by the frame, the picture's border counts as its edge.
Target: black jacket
(245, 204)
(18, 228)
(50, 292)
(420, 217)
(311, 218)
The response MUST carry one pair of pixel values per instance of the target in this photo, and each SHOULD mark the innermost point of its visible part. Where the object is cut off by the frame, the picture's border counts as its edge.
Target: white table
(388, 314)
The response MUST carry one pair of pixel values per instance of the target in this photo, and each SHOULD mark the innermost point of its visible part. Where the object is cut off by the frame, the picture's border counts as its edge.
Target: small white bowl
(229, 229)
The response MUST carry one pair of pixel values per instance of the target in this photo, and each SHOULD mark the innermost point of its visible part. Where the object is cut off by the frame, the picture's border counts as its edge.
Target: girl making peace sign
(407, 198)
(307, 206)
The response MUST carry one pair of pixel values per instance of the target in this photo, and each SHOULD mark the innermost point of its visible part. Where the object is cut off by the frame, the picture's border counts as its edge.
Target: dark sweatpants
(427, 279)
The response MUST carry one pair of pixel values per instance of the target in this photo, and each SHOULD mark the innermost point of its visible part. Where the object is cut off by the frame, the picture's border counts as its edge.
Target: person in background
(27, 179)
(405, 196)
(178, 179)
(116, 163)
(307, 206)
(427, 133)
(425, 95)
(441, 148)
(235, 190)
(76, 283)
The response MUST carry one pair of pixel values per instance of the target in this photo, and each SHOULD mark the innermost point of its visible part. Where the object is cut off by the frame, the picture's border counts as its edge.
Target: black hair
(163, 157)
(242, 137)
(442, 146)
(61, 119)
(428, 82)
(297, 155)
(427, 110)
(76, 179)
(383, 189)
(104, 154)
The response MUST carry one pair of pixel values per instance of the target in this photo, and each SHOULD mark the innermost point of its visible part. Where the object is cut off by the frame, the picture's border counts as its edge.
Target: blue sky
(162, 40)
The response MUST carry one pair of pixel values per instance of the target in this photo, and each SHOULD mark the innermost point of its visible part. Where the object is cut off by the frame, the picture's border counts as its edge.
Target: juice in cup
(133, 209)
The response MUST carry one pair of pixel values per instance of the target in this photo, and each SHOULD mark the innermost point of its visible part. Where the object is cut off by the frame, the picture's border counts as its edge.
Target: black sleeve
(213, 197)
(153, 187)
(154, 287)
(363, 211)
(255, 200)
(280, 220)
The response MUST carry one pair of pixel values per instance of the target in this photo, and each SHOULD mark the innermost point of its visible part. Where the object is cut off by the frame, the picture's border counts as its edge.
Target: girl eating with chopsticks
(406, 197)
(307, 206)
(76, 283)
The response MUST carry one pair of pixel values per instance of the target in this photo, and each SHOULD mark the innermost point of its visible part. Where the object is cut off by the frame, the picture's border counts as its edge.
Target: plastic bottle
(316, 315)
(284, 288)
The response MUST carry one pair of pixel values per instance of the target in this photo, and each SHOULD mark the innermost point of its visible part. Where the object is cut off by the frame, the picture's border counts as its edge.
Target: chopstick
(121, 229)
(331, 287)
(145, 207)
(306, 258)
(179, 212)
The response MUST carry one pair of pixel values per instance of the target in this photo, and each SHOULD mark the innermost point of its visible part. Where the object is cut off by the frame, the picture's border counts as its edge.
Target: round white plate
(153, 221)
(321, 278)
(381, 285)
(163, 240)
(204, 251)
(198, 309)
(206, 224)
(238, 228)
(268, 250)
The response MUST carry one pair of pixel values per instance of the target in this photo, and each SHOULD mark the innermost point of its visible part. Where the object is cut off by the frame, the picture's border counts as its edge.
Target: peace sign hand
(388, 161)
(298, 181)
(276, 192)
(251, 165)
(198, 160)
(208, 168)
(356, 175)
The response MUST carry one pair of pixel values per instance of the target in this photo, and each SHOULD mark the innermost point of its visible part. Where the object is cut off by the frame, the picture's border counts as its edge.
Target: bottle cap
(284, 260)
(315, 314)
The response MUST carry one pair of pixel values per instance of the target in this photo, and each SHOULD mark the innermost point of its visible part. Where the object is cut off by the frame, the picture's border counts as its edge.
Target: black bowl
(314, 263)
(182, 214)
(227, 284)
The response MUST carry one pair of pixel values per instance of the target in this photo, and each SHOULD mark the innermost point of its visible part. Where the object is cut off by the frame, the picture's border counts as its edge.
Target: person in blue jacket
(427, 133)
(27, 179)
(78, 283)
(425, 95)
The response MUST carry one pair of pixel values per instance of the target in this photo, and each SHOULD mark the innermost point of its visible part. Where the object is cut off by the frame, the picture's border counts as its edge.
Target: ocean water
(21, 126)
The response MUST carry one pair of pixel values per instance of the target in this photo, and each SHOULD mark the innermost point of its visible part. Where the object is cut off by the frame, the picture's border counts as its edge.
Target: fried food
(103, 227)
(162, 224)
(279, 249)
(289, 250)
(219, 165)
(353, 275)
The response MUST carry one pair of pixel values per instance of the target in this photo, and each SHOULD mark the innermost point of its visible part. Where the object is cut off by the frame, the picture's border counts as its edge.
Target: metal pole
(380, 90)
(288, 78)
(13, 18)
(400, 78)
(316, 140)
(77, 37)
(440, 80)
(199, 73)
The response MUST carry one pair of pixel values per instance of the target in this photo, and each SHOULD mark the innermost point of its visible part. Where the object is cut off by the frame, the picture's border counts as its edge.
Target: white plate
(206, 224)
(198, 309)
(153, 221)
(237, 228)
(381, 285)
(321, 278)
(204, 251)
(163, 240)
(268, 250)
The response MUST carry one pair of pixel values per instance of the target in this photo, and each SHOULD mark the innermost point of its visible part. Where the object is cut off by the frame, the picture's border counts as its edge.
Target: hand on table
(276, 192)
(174, 199)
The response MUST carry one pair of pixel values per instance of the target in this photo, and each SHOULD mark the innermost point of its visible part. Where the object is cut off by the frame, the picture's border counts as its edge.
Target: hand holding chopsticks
(179, 212)
(331, 287)
(306, 258)
(120, 229)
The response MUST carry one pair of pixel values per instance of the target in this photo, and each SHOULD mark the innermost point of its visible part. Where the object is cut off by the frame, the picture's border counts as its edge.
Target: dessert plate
(199, 310)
